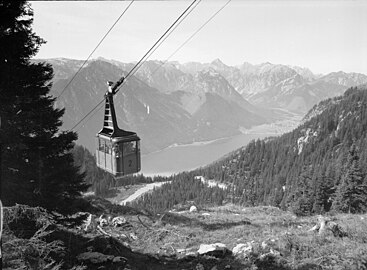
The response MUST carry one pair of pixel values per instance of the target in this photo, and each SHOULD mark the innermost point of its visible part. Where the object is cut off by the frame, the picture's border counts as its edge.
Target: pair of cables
(99, 43)
(155, 46)
(142, 60)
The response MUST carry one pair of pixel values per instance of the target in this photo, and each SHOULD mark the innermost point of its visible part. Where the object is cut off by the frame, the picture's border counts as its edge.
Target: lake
(180, 158)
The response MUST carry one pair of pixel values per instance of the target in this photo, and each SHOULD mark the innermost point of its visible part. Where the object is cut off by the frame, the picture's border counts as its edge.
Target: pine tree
(37, 165)
(303, 195)
(351, 195)
(324, 192)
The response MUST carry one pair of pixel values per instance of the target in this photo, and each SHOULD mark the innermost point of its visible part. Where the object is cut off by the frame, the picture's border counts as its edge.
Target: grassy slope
(158, 244)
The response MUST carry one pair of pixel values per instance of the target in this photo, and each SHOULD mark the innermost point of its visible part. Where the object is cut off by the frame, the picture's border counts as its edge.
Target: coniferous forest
(183, 190)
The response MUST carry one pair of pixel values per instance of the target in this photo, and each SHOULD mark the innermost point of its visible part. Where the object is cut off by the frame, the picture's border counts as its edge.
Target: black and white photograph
(183, 134)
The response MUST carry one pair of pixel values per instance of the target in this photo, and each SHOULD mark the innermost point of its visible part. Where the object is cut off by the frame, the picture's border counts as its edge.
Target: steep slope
(211, 81)
(165, 78)
(296, 94)
(272, 171)
(212, 118)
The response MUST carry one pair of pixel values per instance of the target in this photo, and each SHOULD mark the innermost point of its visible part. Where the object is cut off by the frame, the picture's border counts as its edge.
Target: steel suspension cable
(155, 44)
(100, 42)
(197, 3)
(187, 40)
(131, 72)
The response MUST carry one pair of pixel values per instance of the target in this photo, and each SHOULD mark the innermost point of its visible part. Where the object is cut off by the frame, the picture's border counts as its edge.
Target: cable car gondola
(118, 150)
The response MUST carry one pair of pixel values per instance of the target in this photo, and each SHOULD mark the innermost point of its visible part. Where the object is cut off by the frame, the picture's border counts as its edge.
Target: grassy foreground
(36, 239)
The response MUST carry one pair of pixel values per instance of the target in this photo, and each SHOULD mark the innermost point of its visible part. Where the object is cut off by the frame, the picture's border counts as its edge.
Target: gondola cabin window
(129, 148)
(101, 145)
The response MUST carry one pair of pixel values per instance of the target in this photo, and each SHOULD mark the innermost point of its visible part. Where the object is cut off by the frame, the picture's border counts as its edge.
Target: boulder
(193, 208)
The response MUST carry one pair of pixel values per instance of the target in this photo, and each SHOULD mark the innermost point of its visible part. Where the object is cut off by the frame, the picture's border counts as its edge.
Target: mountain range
(197, 112)
(169, 103)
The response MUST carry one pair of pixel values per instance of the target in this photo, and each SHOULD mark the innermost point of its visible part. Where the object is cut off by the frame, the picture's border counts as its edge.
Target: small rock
(211, 247)
(193, 208)
(205, 214)
(275, 252)
(118, 221)
(242, 249)
(119, 259)
(133, 236)
(191, 253)
(94, 257)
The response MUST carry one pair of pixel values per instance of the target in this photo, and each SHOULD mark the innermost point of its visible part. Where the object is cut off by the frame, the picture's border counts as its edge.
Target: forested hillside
(310, 169)
(183, 189)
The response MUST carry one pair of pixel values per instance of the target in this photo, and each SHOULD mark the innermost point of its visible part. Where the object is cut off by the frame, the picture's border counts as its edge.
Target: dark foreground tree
(37, 166)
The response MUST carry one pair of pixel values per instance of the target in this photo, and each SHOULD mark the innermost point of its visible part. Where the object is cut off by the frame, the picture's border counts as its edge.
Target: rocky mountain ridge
(280, 86)
(266, 85)
(183, 103)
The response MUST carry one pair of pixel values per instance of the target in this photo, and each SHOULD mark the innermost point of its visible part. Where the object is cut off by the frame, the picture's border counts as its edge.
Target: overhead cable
(158, 45)
(81, 120)
(187, 40)
(100, 42)
(134, 69)
(155, 44)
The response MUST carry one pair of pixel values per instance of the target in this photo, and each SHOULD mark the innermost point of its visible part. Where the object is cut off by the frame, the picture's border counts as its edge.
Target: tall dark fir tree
(37, 165)
(351, 195)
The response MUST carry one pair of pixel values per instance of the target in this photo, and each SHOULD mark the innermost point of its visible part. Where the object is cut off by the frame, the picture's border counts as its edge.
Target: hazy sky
(324, 36)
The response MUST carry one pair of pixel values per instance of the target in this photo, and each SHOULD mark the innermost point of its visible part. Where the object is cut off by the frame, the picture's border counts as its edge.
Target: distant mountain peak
(217, 62)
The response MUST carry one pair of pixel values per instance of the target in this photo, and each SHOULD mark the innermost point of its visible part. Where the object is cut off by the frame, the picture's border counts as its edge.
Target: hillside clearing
(276, 240)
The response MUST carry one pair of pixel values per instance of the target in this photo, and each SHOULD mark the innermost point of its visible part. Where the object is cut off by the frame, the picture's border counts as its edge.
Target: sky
(323, 36)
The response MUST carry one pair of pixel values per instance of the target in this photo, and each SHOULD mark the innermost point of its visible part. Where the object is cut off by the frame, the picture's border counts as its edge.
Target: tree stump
(325, 223)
